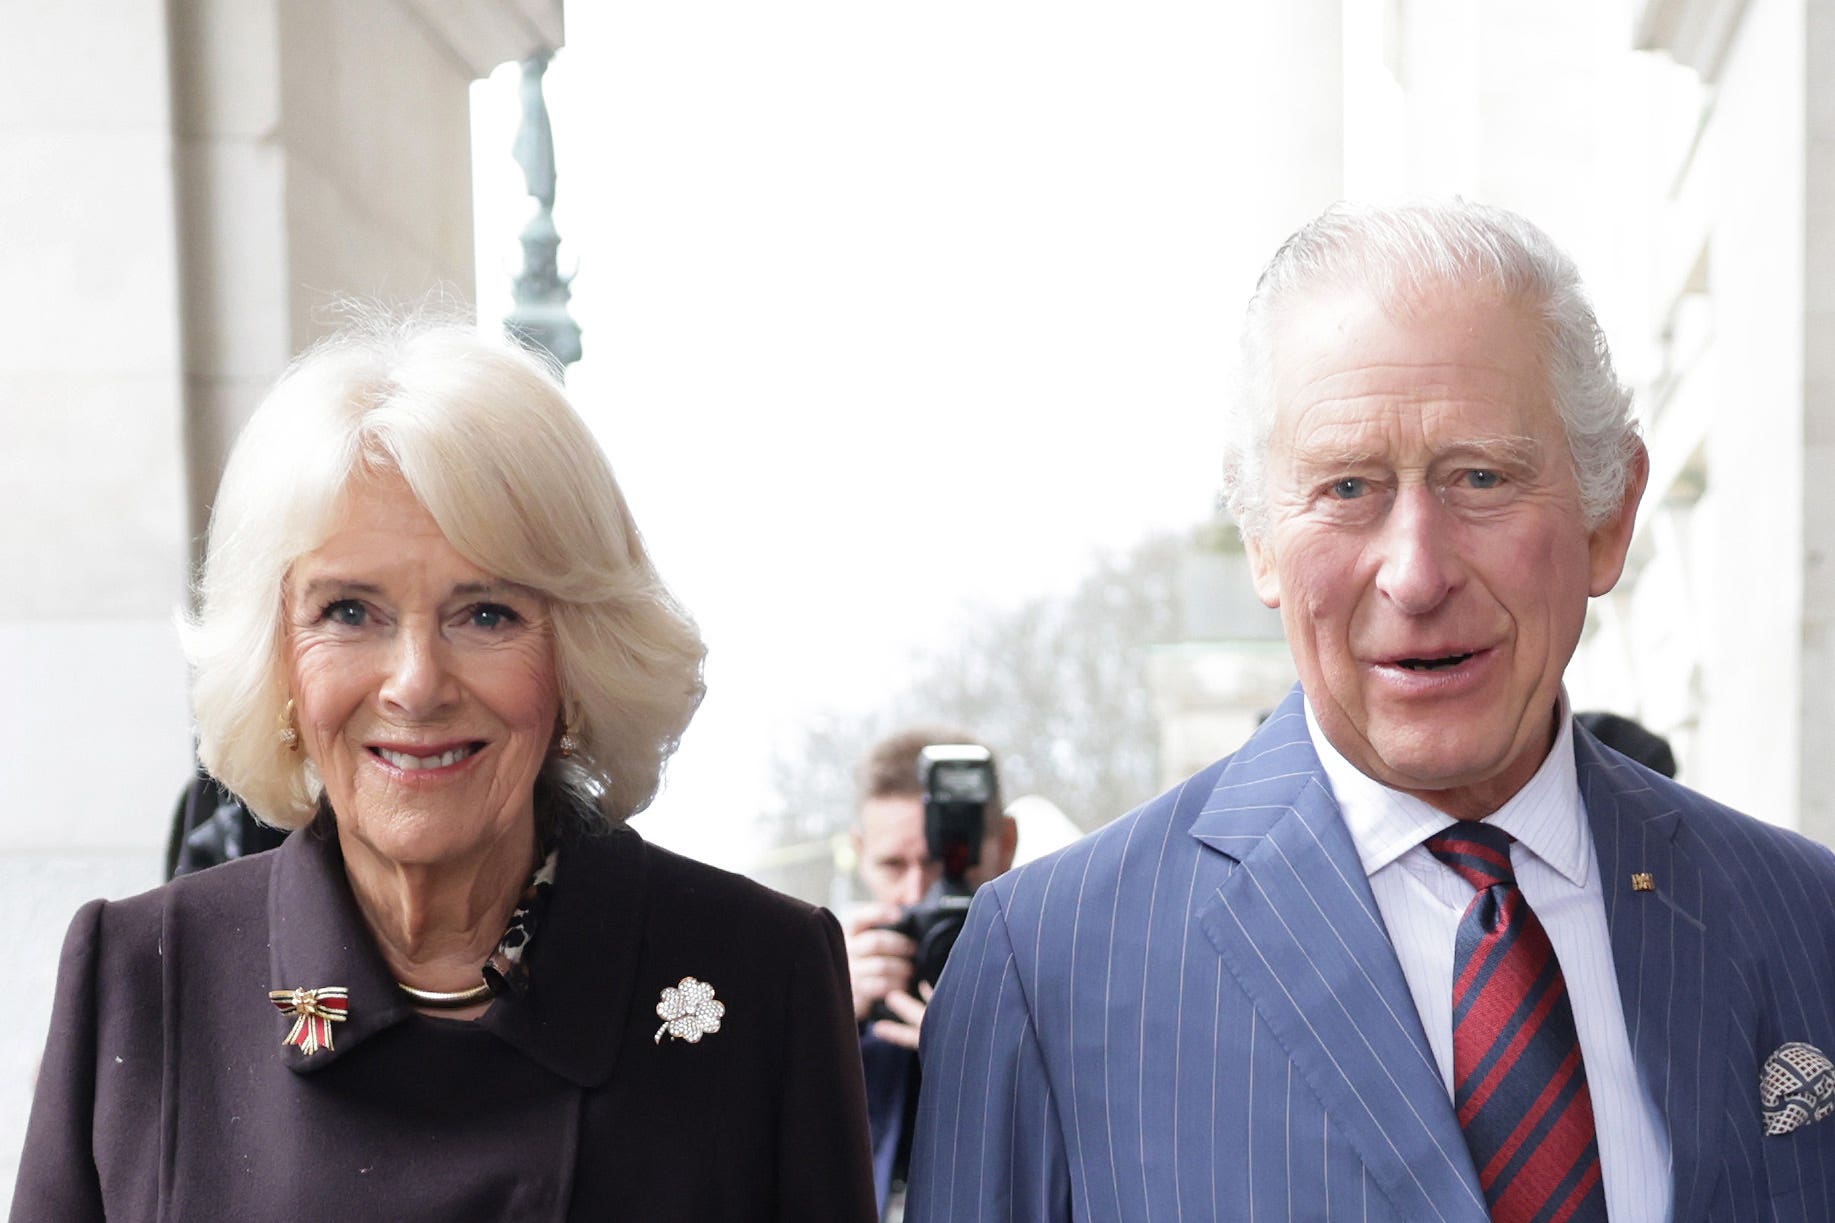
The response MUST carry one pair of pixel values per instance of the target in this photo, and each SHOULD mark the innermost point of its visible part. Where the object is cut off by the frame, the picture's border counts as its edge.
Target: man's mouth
(410, 763)
(1432, 664)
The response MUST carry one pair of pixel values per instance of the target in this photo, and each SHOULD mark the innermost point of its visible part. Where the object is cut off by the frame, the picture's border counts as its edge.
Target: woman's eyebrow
(320, 587)
(498, 588)
(327, 585)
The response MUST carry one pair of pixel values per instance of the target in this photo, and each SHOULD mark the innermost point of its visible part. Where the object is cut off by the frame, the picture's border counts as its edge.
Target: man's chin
(1467, 784)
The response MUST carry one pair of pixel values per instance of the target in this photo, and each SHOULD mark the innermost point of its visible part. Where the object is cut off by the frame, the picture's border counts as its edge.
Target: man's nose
(1419, 566)
(420, 678)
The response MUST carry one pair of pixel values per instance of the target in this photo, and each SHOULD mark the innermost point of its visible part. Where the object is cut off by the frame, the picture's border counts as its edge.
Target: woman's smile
(431, 760)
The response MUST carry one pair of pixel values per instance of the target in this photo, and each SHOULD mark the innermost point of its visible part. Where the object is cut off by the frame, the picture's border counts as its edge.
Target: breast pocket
(1801, 1164)
(1797, 1091)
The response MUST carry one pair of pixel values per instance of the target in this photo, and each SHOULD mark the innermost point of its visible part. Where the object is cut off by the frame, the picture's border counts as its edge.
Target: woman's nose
(420, 680)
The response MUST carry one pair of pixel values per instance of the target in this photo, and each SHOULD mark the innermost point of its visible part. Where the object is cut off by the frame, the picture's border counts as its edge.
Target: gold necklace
(440, 1000)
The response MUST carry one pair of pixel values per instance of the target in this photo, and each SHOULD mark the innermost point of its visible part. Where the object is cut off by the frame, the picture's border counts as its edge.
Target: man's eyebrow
(1328, 455)
(1510, 449)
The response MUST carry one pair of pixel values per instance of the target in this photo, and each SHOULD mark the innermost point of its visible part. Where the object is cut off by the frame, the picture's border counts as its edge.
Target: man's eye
(348, 612)
(1350, 488)
(491, 616)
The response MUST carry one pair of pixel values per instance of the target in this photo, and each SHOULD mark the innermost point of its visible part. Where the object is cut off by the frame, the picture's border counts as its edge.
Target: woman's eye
(348, 612)
(491, 616)
(1350, 488)
(1482, 478)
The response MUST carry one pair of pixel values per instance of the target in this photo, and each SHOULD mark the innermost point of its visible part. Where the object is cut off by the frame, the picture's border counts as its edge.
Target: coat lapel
(584, 961)
(317, 938)
(1667, 958)
(1296, 924)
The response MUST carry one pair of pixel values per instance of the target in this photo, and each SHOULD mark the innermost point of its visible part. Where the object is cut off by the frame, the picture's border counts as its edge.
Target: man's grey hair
(1402, 255)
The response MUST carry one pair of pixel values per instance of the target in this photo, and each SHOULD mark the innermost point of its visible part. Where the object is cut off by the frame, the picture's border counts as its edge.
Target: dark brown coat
(166, 1093)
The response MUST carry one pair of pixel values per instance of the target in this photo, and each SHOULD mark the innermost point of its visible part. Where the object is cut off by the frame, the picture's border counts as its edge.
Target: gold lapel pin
(1643, 881)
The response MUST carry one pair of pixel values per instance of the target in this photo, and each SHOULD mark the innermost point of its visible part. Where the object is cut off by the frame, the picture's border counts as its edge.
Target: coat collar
(581, 965)
(316, 939)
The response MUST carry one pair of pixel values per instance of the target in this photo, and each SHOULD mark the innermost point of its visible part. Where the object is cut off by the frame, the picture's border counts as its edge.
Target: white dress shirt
(1422, 900)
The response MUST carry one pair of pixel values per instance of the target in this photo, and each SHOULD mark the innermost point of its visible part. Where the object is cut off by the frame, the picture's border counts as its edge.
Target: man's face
(1425, 543)
(895, 862)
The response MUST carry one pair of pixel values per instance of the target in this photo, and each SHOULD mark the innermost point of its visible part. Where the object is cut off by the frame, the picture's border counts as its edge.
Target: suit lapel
(1298, 928)
(1667, 958)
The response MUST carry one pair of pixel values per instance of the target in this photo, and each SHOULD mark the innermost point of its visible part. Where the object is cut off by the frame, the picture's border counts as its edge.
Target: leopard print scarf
(531, 907)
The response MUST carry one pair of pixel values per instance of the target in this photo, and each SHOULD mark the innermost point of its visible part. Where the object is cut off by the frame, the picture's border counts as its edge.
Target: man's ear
(1262, 569)
(1610, 541)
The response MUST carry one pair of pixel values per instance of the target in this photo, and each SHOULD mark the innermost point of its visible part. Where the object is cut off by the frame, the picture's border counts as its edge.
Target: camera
(959, 785)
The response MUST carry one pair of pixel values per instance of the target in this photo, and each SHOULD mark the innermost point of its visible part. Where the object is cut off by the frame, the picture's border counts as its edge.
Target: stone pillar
(324, 154)
(1293, 152)
(190, 184)
(1816, 787)
(1719, 620)
(92, 467)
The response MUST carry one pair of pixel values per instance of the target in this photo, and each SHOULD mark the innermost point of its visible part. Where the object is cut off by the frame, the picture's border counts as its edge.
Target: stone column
(190, 185)
(1817, 784)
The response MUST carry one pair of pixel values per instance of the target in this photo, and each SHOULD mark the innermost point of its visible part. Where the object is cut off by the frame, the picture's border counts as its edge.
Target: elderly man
(1421, 949)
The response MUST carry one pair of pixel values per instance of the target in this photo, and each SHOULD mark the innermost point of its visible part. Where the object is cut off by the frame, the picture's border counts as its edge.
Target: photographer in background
(898, 870)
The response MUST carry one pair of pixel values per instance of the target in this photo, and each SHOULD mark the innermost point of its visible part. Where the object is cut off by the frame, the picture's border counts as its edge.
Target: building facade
(1684, 152)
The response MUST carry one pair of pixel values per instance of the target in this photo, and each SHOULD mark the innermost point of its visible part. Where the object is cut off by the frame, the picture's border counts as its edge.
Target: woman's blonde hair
(483, 435)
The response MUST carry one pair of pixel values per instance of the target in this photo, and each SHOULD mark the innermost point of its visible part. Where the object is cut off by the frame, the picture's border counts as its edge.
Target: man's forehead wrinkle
(1403, 380)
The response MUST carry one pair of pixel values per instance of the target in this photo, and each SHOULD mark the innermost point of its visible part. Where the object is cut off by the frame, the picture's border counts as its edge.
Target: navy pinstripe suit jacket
(1195, 1013)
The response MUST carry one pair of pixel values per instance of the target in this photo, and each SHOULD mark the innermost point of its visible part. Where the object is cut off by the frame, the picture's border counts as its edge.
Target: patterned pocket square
(1797, 1087)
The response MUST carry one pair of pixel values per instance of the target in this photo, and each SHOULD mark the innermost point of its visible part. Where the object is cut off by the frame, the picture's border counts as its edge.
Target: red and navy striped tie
(1518, 1083)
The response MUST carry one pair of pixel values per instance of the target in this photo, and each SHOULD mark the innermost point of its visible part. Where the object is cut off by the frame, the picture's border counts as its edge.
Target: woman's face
(424, 687)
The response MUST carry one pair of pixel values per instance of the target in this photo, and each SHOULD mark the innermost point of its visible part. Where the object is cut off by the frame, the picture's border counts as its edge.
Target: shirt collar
(1546, 816)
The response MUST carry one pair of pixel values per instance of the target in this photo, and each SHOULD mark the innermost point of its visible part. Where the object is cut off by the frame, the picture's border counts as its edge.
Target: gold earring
(568, 744)
(289, 736)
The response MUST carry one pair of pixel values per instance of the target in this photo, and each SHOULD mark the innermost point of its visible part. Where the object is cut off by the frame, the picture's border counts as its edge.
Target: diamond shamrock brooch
(689, 1011)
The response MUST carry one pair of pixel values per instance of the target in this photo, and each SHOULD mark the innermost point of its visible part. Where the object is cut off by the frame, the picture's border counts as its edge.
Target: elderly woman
(431, 642)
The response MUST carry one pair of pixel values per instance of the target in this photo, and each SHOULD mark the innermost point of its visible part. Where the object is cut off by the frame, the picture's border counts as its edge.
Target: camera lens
(939, 924)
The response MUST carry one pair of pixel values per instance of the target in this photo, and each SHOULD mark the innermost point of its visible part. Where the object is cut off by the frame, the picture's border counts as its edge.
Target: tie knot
(1479, 852)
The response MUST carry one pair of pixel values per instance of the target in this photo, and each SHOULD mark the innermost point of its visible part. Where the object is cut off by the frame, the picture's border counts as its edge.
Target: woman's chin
(419, 836)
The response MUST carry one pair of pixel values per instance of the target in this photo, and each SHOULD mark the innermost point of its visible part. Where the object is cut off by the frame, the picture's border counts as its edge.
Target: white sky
(889, 313)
